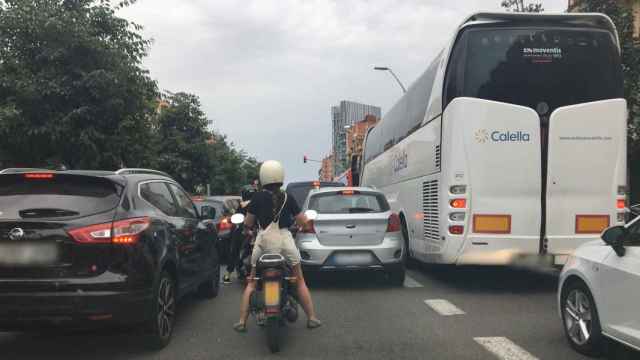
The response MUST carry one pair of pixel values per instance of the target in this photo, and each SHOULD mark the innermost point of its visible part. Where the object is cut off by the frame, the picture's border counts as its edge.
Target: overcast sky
(268, 71)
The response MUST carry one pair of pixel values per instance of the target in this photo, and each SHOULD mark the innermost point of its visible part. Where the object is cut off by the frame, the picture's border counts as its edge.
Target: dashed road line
(410, 282)
(443, 307)
(504, 348)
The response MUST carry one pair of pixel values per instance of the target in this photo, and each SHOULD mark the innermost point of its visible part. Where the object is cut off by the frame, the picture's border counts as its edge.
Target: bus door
(586, 172)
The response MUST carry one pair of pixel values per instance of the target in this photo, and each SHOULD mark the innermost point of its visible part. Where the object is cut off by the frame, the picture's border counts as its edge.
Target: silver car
(353, 229)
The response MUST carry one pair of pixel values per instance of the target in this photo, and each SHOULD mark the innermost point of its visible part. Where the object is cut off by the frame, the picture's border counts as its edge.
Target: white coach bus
(511, 145)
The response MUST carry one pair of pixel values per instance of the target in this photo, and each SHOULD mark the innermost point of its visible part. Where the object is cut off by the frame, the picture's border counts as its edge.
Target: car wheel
(211, 287)
(580, 319)
(397, 275)
(164, 310)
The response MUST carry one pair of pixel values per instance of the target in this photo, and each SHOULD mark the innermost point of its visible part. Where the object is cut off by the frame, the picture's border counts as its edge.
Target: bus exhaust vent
(437, 156)
(430, 210)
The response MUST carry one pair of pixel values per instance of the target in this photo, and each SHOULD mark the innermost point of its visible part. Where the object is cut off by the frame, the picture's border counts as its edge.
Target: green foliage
(196, 156)
(622, 16)
(72, 90)
(520, 6)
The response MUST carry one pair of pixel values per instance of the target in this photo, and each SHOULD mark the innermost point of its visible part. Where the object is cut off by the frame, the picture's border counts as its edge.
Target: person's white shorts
(286, 247)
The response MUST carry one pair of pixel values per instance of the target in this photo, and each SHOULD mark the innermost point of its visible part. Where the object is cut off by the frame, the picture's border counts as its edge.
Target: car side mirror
(207, 213)
(614, 237)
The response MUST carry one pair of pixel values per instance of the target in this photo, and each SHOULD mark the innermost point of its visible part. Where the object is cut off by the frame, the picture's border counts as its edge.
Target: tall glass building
(347, 113)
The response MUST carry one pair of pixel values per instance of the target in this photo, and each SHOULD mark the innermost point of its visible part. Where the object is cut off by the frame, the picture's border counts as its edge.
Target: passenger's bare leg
(246, 298)
(304, 295)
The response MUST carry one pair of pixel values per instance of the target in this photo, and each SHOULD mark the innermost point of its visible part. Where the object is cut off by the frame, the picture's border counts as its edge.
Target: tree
(520, 6)
(181, 140)
(622, 16)
(72, 89)
(195, 155)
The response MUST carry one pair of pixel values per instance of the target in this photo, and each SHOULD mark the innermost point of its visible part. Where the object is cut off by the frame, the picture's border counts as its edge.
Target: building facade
(575, 6)
(356, 134)
(326, 172)
(343, 116)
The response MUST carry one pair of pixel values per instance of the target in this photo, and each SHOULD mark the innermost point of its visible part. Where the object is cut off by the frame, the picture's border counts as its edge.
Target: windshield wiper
(46, 213)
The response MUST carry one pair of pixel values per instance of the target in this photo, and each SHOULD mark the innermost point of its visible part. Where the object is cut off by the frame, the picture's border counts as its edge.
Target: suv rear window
(59, 196)
(348, 202)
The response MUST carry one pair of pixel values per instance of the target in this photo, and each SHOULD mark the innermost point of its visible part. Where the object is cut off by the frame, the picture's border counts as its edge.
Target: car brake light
(347, 192)
(316, 184)
(225, 224)
(394, 223)
(128, 231)
(38, 176)
(621, 204)
(458, 203)
(309, 228)
(119, 232)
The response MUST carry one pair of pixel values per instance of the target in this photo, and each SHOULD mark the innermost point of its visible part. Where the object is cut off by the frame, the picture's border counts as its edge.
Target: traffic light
(305, 159)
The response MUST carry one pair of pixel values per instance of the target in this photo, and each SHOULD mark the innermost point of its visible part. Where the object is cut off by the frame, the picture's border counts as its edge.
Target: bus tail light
(458, 203)
(456, 229)
(492, 224)
(394, 223)
(591, 224)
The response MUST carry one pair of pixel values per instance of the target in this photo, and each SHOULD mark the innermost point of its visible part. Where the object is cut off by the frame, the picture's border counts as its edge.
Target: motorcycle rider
(237, 238)
(263, 209)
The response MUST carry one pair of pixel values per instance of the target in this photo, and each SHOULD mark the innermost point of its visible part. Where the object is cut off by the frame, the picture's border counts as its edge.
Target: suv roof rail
(21, 170)
(131, 171)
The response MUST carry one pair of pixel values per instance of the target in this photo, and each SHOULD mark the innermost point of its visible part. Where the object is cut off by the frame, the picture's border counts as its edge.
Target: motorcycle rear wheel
(273, 334)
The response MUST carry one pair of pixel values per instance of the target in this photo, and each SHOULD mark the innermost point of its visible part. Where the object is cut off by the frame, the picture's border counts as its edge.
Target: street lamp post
(384, 68)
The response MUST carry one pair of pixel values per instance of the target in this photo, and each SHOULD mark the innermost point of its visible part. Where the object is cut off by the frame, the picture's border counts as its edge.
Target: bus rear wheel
(409, 261)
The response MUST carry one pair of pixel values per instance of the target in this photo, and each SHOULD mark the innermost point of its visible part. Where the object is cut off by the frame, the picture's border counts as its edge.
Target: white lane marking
(410, 282)
(443, 307)
(504, 348)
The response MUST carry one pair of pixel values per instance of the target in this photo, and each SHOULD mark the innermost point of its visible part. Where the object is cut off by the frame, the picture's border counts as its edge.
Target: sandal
(240, 327)
(313, 323)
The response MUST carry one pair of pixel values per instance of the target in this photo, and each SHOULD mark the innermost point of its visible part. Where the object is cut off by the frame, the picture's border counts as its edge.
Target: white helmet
(271, 172)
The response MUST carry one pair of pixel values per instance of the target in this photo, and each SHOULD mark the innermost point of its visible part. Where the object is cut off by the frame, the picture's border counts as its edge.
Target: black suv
(83, 247)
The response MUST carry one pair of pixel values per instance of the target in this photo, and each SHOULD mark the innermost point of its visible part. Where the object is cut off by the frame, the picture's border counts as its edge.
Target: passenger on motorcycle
(265, 206)
(237, 238)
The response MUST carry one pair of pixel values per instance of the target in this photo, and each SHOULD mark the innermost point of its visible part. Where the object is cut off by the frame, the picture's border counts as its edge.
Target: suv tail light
(225, 224)
(118, 232)
(309, 228)
(394, 223)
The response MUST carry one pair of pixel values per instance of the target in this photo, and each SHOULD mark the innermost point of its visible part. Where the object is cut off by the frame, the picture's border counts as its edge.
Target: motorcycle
(274, 302)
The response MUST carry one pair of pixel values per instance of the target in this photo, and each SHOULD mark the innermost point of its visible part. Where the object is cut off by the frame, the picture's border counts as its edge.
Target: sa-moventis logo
(483, 135)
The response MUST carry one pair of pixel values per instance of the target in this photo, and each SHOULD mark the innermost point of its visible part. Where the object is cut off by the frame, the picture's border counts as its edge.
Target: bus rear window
(543, 69)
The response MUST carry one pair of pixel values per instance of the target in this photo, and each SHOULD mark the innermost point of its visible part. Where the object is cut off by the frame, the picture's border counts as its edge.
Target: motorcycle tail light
(225, 224)
(272, 293)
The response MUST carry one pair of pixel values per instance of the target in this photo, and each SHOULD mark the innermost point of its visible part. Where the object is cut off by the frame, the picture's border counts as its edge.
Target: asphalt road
(472, 313)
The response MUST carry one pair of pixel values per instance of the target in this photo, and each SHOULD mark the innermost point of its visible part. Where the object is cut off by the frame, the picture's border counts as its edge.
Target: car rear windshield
(347, 202)
(543, 69)
(301, 190)
(59, 196)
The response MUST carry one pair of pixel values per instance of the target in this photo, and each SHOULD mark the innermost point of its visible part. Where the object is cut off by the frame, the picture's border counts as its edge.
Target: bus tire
(408, 260)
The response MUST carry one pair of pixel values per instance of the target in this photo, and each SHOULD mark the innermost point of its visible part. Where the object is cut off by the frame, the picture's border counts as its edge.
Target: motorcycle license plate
(271, 293)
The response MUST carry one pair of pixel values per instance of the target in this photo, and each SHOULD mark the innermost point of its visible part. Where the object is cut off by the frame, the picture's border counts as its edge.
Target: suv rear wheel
(164, 310)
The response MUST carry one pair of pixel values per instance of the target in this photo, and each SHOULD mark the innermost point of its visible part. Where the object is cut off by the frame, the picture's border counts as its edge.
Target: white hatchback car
(353, 230)
(599, 291)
